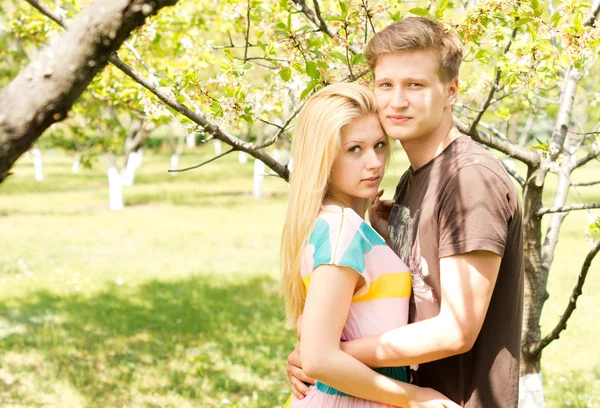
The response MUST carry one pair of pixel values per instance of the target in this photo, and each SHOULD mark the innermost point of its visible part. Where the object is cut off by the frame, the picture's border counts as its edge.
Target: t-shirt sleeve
(339, 243)
(474, 212)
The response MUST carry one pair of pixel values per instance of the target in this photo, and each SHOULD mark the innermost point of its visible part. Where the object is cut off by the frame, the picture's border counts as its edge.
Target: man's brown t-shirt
(461, 201)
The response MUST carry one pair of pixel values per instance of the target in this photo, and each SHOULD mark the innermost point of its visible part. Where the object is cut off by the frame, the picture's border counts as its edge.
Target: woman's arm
(325, 312)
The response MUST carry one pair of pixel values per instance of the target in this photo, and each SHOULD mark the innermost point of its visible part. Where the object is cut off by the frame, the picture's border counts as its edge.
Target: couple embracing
(427, 298)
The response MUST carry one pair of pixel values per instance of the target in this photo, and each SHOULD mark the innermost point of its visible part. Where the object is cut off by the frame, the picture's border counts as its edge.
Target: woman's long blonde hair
(315, 144)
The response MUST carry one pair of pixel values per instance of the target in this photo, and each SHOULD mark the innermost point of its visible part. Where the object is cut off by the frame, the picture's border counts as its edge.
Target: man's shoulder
(470, 156)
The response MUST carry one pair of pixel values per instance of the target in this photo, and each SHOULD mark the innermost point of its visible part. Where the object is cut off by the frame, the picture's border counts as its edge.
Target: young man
(455, 221)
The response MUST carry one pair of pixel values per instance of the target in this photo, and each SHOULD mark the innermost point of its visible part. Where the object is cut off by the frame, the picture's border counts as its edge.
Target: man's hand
(379, 212)
(296, 375)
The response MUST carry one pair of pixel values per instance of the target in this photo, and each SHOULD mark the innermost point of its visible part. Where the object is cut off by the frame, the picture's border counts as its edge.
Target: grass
(173, 301)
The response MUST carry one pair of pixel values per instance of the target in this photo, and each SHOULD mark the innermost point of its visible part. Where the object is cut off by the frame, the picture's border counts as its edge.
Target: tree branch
(44, 92)
(47, 12)
(205, 162)
(592, 183)
(247, 33)
(595, 9)
(318, 21)
(510, 149)
(567, 98)
(488, 100)
(587, 158)
(567, 208)
(195, 116)
(514, 175)
(199, 118)
(577, 290)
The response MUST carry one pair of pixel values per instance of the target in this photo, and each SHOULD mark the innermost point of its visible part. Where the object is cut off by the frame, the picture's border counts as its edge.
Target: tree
(526, 93)
(45, 90)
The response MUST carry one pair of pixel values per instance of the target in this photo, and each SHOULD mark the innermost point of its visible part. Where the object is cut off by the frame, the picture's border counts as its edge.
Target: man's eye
(385, 85)
(414, 85)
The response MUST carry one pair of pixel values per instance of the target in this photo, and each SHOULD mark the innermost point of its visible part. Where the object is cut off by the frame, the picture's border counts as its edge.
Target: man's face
(410, 95)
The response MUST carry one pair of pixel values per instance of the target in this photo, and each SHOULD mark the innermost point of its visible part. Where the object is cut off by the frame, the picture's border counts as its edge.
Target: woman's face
(358, 168)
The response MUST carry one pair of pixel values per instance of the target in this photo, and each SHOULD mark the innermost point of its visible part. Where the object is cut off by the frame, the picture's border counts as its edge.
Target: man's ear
(451, 92)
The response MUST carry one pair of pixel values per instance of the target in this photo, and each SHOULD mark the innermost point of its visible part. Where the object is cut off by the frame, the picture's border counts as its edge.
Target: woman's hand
(430, 398)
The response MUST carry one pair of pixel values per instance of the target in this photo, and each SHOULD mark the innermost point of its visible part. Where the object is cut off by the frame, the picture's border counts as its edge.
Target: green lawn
(173, 301)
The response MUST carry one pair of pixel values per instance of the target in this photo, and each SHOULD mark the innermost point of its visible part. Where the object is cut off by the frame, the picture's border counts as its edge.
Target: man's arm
(467, 282)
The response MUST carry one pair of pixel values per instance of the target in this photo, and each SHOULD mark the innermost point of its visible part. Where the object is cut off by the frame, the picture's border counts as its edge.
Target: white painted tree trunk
(190, 140)
(531, 391)
(277, 157)
(134, 161)
(115, 188)
(259, 176)
(76, 163)
(37, 164)
(289, 165)
(242, 157)
(174, 163)
(218, 145)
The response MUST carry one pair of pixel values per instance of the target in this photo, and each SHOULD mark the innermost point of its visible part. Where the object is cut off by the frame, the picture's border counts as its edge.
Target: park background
(172, 301)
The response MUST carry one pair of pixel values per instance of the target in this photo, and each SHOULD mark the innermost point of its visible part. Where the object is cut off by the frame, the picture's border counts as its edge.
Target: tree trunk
(259, 176)
(190, 140)
(242, 157)
(76, 163)
(134, 161)
(218, 146)
(115, 184)
(174, 163)
(45, 90)
(531, 393)
(36, 156)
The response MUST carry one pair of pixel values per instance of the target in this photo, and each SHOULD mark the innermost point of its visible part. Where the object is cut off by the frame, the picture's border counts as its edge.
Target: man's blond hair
(416, 34)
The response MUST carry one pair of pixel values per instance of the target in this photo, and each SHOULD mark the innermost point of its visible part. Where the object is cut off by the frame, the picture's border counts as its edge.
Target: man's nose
(398, 99)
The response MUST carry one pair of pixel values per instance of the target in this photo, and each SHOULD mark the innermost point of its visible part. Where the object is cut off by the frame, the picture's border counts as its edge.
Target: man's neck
(423, 150)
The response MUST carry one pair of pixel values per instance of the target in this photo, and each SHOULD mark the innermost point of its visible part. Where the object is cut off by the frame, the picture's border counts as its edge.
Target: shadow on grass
(199, 340)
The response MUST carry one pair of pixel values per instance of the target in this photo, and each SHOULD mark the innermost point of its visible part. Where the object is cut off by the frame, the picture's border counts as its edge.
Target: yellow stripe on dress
(388, 286)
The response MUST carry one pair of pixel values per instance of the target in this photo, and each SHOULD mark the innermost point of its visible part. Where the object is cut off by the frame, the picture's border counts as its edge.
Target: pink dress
(341, 237)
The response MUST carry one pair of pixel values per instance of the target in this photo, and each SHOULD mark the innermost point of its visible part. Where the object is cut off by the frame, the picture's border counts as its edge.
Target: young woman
(338, 273)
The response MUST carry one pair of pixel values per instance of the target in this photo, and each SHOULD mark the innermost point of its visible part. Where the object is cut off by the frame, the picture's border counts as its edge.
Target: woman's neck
(359, 205)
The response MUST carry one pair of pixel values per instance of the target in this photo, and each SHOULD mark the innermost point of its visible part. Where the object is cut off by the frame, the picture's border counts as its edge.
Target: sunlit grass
(173, 301)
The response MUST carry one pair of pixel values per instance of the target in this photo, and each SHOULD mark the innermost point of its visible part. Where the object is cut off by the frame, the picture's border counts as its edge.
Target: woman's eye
(354, 149)
(380, 145)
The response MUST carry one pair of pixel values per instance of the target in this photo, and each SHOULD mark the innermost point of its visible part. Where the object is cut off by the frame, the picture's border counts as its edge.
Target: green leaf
(541, 145)
(228, 53)
(396, 16)
(595, 43)
(312, 70)
(358, 59)
(311, 85)
(440, 6)
(344, 8)
(419, 11)
(578, 21)
(338, 56)
(286, 74)
(555, 19)
(522, 21)
(298, 67)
